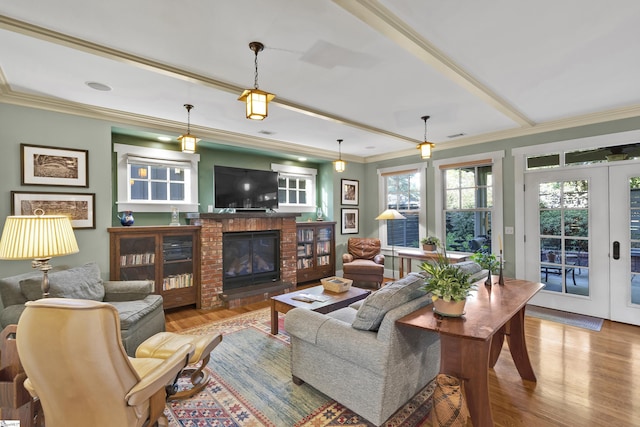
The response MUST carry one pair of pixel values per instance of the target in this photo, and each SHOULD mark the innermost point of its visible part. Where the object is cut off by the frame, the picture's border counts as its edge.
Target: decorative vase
(126, 218)
(450, 308)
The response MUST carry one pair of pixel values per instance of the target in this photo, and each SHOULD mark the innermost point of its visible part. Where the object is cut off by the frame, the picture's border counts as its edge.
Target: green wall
(39, 127)
(36, 127)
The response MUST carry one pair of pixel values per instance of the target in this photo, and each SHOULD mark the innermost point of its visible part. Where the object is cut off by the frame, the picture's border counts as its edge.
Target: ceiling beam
(372, 13)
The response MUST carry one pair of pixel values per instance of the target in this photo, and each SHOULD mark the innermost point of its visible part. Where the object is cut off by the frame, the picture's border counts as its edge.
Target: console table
(470, 345)
(453, 257)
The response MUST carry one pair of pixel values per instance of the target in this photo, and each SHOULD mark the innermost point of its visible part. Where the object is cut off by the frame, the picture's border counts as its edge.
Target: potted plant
(486, 259)
(449, 286)
(430, 243)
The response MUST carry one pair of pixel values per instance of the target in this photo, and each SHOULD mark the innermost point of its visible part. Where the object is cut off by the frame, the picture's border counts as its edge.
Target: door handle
(616, 250)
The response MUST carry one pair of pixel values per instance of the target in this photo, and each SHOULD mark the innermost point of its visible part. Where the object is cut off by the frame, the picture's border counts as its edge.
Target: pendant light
(257, 100)
(426, 147)
(340, 165)
(187, 140)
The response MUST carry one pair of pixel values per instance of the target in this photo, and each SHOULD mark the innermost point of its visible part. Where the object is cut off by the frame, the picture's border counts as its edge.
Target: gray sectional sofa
(141, 312)
(359, 357)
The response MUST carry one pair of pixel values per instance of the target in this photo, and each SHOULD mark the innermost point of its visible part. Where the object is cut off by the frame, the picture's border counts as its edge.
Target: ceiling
(362, 71)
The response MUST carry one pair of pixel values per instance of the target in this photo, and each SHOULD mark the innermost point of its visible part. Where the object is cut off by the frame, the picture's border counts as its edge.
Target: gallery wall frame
(350, 221)
(349, 191)
(64, 167)
(79, 207)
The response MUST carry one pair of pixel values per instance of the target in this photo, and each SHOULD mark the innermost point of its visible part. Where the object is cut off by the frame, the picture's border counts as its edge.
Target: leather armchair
(76, 365)
(363, 263)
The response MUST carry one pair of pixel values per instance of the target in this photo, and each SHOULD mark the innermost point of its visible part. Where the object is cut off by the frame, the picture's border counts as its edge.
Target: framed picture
(350, 221)
(349, 191)
(64, 167)
(80, 208)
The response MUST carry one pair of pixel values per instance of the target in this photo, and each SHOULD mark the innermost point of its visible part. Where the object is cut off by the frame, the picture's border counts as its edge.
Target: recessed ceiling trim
(384, 21)
(41, 33)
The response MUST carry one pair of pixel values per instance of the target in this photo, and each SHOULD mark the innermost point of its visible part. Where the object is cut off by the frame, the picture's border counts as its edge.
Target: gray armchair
(140, 311)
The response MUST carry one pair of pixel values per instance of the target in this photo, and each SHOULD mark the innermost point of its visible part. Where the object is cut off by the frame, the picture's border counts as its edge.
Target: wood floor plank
(585, 378)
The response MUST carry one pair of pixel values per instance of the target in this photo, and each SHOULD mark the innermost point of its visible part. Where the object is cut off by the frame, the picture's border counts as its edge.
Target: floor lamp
(38, 238)
(391, 215)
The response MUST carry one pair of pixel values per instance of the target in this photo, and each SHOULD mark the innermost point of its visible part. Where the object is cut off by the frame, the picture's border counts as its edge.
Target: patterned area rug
(572, 319)
(251, 385)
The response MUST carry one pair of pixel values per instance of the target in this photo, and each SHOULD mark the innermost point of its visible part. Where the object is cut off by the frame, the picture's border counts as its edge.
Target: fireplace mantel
(215, 224)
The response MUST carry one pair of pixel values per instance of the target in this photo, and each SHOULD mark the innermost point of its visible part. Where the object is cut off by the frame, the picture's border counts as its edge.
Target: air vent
(456, 135)
(266, 132)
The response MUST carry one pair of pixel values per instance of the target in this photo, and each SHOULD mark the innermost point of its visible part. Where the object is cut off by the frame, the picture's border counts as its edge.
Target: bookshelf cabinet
(169, 255)
(316, 245)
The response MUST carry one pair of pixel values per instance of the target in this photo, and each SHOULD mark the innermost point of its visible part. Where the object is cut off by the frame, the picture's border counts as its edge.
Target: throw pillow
(375, 306)
(82, 282)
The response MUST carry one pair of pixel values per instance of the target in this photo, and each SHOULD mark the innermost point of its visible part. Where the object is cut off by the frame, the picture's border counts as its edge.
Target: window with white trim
(470, 206)
(155, 180)
(402, 189)
(296, 188)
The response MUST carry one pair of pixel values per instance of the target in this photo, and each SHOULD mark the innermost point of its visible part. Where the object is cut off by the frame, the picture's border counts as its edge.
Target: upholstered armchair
(363, 263)
(76, 365)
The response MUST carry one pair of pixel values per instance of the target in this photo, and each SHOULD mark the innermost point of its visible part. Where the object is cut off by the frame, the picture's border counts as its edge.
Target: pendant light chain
(255, 83)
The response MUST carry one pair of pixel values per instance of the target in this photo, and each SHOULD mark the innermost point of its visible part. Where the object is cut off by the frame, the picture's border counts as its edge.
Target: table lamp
(38, 237)
(391, 214)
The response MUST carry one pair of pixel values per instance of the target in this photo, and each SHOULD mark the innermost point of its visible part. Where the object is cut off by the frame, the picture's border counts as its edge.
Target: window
(470, 197)
(403, 190)
(154, 180)
(296, 188)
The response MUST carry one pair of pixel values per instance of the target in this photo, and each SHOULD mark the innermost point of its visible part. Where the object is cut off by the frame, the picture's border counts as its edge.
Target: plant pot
(449, 309)
(428, 248)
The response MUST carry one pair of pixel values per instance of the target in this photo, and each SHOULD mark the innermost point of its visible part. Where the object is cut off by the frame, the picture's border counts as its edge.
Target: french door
(624, 199)
(567, 239)
(582, 230)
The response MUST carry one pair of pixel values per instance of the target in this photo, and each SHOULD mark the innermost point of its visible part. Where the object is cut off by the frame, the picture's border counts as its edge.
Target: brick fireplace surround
(211, 271)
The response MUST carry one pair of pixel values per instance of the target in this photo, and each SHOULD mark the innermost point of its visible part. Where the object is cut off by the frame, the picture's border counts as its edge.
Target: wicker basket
(336, 284)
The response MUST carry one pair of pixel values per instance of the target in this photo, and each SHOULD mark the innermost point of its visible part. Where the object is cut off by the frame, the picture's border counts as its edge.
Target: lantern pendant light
(188, 141)
(426, 147)
(257, 101)
(340, 165)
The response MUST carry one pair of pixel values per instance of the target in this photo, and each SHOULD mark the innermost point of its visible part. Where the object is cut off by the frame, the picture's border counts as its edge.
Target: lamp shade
(257, 102)
(425, 149)
(37, 237)
(390, 214)
(340, 165)
(188, 143)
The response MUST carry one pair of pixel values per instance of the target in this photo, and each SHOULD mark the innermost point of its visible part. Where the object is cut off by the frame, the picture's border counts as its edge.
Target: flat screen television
(245, 189)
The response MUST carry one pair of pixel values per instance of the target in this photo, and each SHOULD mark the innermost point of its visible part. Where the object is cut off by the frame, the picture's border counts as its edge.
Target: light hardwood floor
(585, 378)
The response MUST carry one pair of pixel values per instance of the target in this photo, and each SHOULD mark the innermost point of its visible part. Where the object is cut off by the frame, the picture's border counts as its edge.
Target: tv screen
(240, 188)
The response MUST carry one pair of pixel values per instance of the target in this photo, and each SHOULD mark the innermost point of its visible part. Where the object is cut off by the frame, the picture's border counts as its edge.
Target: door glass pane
(634, 236)
(564, 231)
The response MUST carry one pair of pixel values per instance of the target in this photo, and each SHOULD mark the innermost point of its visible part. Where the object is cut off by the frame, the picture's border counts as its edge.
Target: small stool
(163, 344)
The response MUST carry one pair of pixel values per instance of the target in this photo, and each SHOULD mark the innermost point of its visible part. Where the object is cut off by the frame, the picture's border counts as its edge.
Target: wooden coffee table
(332, 301)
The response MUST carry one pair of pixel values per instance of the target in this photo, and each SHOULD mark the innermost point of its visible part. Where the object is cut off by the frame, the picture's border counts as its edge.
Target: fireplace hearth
(212, 264)
(250, 258)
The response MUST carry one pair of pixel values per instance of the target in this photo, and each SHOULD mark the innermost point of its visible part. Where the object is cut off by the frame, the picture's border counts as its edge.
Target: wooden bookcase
(169, 255)
(316, 245)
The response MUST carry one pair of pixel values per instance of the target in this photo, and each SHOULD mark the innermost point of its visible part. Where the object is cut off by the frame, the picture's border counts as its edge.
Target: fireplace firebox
(250, 258)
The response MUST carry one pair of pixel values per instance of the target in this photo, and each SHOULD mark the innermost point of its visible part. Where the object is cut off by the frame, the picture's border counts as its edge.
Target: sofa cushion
(10, 315)
(10, 286)
(375, 306)
(83, 282)
(130, 312)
